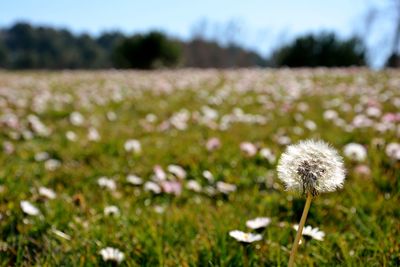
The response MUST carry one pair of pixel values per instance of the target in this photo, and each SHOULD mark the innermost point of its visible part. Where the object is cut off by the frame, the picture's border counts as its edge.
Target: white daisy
(225, 188)
(93, 134)
(208, 175)
(152, 187)
(29, 209)
(194, 186)
(245, 237)
(47, 192)
(312, 232)
(258, 223)
(107, 183)
(76, 118)
(177, 170)
(52, 164)
(134, 180)
(133, 145)
(267, 154)
(112, 254)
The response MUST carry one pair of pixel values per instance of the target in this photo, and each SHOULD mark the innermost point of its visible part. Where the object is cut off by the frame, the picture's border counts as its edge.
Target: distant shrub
(320, 50)
(149, 51)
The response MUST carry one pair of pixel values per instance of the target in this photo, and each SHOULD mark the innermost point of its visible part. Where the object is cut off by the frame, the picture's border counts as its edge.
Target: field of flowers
(167, 168)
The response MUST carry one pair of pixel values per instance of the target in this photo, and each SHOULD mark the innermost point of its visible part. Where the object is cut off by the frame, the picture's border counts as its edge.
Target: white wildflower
(193, 185)
(258, 223)
(107, 183)
(28, 208)
(52, 164)
(245, 237)
(76, 118)
(208, 175)
(177, 170)
(248, 149)
(134, 180)
(47, 192)
(42, 156)
(225, 188)
(393, 151)
(355, 152)
(311, 166)
(133, 145)
(111, 211)
(112, 254)
(71, 136)
(267, 154)
(93, 134)
(152, 187)
(311, 232)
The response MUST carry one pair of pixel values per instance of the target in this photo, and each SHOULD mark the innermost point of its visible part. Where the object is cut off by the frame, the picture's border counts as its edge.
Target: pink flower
(171, 187)
(248, 149)
(213, 144)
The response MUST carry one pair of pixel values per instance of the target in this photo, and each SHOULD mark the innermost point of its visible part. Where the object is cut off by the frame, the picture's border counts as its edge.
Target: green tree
(320, 50)
(149, 51)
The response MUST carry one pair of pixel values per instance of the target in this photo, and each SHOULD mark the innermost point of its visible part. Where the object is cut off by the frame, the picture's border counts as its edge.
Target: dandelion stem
(300, 230)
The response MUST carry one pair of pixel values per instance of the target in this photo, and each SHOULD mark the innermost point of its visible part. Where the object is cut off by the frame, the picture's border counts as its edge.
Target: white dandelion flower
(355, 152)
(245, 237)
(311, 167)
(29, 209)
(393, 151)
(311, 232)
(258, 223)
(112, 254)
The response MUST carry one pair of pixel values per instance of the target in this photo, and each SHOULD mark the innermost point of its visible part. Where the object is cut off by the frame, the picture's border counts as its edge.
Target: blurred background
(202, 34)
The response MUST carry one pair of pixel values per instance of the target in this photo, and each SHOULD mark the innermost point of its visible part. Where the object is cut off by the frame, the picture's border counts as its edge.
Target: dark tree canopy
(23, 46)
(152, 50)
(321, 50)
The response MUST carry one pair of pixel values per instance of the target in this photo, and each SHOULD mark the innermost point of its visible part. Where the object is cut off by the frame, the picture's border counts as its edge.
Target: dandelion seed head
(311, 166)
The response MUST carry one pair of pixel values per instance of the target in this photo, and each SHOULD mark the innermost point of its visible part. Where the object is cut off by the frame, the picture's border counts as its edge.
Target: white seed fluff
(311, 166)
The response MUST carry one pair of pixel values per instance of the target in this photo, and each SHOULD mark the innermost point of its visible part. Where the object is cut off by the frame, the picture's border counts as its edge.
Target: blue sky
(262, 23)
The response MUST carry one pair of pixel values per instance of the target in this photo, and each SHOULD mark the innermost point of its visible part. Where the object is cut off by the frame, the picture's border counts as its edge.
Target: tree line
(23, 46)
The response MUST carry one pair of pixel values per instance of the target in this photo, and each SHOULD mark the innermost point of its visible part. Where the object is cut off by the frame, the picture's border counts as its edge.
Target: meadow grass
(361, 221)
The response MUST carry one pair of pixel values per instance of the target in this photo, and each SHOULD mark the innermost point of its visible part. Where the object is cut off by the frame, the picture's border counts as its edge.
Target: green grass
(361, 221)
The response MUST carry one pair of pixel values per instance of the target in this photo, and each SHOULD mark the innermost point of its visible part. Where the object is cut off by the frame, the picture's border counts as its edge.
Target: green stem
(300, 230)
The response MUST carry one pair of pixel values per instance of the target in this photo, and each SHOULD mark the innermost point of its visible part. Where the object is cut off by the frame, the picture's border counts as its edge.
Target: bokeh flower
(258, 223)
(355, 152)
(112, 254)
